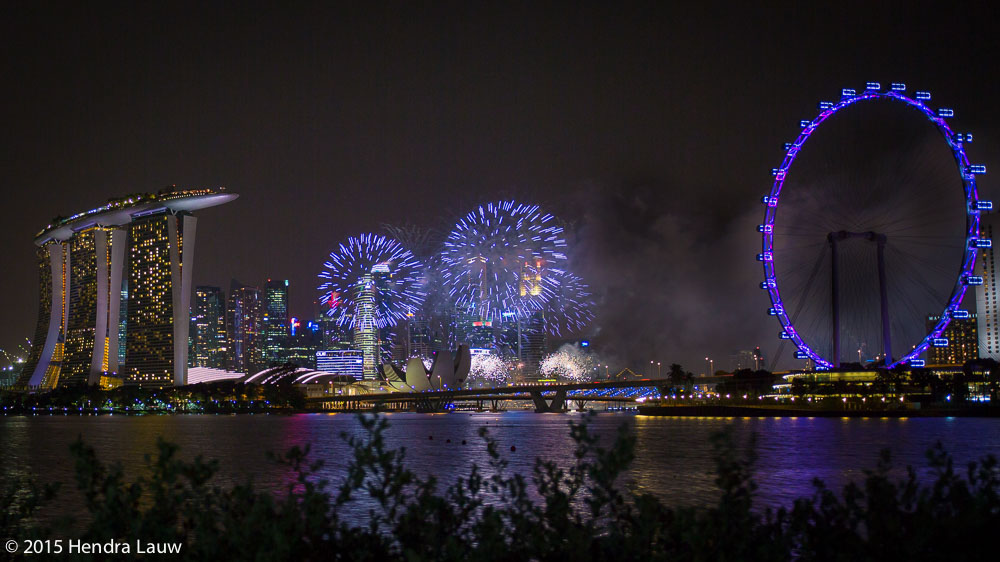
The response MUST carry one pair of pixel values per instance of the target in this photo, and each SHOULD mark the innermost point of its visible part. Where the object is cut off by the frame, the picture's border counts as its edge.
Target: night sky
(650, 131)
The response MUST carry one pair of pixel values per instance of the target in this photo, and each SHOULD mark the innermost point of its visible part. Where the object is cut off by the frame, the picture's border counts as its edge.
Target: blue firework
(569, 307)
(497, 257)
(371, 275)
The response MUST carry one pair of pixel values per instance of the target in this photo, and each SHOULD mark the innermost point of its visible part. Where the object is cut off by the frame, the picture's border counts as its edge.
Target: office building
(366, 333)
(275, 321)
(208, 328)
(244, 323)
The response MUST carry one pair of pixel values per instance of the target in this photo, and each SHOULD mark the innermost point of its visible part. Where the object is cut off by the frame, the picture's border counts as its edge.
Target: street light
(657, 369)
(650, 372)
(711, 366)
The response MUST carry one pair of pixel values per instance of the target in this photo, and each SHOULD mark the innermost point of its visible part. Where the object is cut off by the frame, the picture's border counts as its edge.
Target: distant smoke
(674, 276)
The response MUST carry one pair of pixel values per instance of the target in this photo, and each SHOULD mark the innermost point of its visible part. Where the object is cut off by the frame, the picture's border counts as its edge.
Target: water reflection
(673, 455)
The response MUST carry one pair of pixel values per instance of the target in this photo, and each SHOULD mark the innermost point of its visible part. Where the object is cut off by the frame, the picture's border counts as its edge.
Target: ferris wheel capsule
(898, 87)
(945, 112)
(923, 96)
(917, 363)
(873, 86)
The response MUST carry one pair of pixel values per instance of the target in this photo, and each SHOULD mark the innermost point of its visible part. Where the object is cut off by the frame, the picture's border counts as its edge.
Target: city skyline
(616, 131)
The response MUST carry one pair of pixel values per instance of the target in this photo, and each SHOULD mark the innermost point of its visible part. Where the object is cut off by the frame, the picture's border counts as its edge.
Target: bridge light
(898, 87)
(939, 342)
(923, 96)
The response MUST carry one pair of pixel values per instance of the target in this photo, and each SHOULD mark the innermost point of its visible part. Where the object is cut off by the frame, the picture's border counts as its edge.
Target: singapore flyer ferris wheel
(875, 259)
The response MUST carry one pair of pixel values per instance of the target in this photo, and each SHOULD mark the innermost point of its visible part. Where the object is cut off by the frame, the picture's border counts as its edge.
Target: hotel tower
(117, 277)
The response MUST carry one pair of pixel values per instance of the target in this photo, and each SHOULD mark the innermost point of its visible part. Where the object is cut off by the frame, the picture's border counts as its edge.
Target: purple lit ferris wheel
(871, 242)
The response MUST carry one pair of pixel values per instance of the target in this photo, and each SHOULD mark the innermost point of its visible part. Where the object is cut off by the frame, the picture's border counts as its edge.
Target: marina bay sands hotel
(115, 291)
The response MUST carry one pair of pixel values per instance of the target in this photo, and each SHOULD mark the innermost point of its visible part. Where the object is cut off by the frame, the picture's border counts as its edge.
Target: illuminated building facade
(963, 341)
(114, 285)
(275, 322)
(245, 323)
(341, 362)
(158, 322)
(93, 291)
(208, 328)
(366, 333)
(987, 309)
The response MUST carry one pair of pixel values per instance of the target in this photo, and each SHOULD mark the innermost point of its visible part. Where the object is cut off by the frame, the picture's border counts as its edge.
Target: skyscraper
(208, 328)
(245, 320)
(275, 321)
(142, 243)
(366, 333)
(532, 341)
(987, 310)
(963, 341)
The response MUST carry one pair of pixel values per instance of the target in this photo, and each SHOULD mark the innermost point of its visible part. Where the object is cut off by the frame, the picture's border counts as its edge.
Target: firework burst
(570, 362)
(496, 257)
(569, 307)
(374, 272)
(488, 367)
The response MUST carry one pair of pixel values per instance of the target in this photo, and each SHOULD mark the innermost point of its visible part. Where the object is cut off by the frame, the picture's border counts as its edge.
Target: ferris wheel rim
(967, 172)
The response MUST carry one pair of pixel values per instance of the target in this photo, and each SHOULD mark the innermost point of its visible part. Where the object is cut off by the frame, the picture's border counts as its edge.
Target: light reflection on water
(673, 455)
